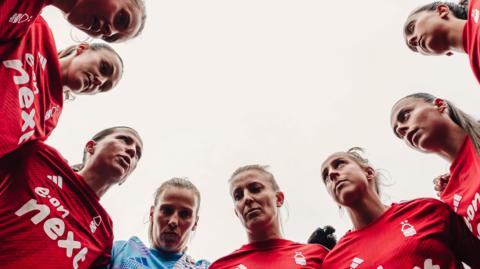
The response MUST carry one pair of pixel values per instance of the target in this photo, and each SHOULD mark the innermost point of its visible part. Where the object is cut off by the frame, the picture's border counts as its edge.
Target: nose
(401, 130)
(173, 221)
(131, 151)
(333, 174)
(413, 41)
(97, 81)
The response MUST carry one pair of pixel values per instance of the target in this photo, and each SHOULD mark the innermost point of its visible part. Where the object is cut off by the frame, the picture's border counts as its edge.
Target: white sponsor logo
(57, 180)
(299, 258)
(54, 227)
(456, 201)
(408, 229)
(19, 18)
(96, 221)
(356, 262)
(241, 266)
(471, 211)
(26, 93)
(428, 264)
(475, 15)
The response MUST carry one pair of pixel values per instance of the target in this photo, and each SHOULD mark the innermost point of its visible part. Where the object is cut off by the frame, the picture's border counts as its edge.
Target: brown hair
(260, 168)
(357, 154)
(177, 182)
(98, 137)
(459, 10)
(462, 119)
(93, 46)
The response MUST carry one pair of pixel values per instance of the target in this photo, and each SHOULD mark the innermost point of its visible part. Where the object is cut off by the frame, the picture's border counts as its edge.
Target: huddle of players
(50, 216)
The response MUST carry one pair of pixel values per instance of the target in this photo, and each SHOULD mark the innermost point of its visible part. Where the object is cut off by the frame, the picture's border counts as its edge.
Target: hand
(440, 183)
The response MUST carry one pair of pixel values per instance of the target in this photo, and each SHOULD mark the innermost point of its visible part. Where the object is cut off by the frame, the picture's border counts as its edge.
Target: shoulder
(132, 246)
(422, 207)
(421, 203)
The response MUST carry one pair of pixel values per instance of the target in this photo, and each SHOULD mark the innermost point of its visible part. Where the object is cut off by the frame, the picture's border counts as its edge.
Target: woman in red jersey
(419, 234)
(442, 28)
(35, 79)
(50, 215)
(111, 20)
(433, 125)
(257, 199)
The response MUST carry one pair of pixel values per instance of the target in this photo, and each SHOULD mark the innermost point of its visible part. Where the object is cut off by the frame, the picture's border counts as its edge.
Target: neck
(366, 211)
(452, 143)
(64, 5)
(64, 65)
(99, 183)
(455, 35)
(264, 235)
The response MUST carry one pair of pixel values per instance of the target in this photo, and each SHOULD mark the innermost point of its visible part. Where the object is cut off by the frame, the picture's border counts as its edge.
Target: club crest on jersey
(475, 15)
(356, 262)
(408, 229)
(96, 221)
(299, 258)
(241, 266)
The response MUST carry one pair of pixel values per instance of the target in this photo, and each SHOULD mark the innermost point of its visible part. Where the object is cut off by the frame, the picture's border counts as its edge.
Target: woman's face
(420, 124)
(173, 218)
(426, 32)
(110, 20)
(92, 71)
(116, 155)
(256, 202)
(346, 181)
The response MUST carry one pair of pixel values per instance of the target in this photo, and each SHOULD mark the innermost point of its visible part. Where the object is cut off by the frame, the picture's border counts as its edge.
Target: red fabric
(31, 91)
(275, 253)
(16, 16)
(36, 175)
(471, 37)
(462, 193)
(417, 234)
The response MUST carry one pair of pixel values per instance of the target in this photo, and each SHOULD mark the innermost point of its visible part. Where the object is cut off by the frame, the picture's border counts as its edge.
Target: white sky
(213, 85)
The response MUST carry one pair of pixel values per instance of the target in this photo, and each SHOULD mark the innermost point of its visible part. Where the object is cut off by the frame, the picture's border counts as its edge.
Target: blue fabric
(133, 254)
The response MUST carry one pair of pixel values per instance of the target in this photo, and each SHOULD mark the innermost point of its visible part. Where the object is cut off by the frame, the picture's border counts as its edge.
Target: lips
(339, 184)
(412, 137)
(87, 82)
(422, 44)
(170, 236)
(124, 162)
(252, 212)
(96, 25)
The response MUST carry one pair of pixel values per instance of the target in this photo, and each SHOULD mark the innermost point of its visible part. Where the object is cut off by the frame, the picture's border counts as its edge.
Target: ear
(371, 173)
(81, 48)
(90, 146)
(280, 198)
(150, 216)
(443, 11)
(440, 104)
(195, 224)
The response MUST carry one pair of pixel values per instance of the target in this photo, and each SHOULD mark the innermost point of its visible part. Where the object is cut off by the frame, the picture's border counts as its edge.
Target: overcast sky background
(213, 85)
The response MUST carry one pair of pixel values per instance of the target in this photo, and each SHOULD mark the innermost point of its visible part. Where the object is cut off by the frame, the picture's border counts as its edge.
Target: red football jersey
(31, 92)
(16, 16)
(420, 234)
(275, 253)
(462, 193)
(49, 216)
(471, 37)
